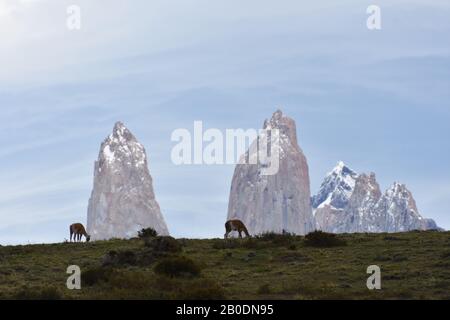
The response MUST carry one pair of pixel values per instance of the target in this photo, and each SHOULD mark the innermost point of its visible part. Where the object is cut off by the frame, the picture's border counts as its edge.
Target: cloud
(37, 42)
(159, 65)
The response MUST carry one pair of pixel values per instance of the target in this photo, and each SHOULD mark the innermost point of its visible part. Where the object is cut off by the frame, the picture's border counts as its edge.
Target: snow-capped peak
(119, 128)
(121, 133)
(341, 169)
(123, 148)
(399, 191)
(348, 202)
(338, 168)
(337, 187)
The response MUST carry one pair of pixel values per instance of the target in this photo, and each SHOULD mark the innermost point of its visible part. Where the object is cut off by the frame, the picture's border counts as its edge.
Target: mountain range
(350, 202)
(123, 200)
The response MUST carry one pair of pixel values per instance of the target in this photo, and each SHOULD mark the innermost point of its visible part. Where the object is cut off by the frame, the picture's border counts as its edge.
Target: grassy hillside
(413, 265)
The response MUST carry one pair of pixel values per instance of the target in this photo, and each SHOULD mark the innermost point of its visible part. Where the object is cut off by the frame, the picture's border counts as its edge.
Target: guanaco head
(88, 238)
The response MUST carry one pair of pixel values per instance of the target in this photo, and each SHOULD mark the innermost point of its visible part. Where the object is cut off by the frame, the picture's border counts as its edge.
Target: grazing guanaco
(78, 231)
(236, 225)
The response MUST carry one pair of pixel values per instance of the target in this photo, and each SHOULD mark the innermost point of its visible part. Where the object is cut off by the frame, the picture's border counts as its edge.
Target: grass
(414, 265)
(177, 266)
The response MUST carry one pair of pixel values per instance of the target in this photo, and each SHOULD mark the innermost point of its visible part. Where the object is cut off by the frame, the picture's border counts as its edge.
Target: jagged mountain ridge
(337, 187)
(349, 202)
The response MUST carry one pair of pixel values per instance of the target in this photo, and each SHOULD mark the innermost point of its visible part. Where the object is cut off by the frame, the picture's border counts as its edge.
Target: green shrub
(120, 258)
(134, 280)
(96, 275)
(273, 236)
(147, 233)
(268, 236)
(147, 257)
(322, 239)
(164, 244)
(177, 266)
(278, 239)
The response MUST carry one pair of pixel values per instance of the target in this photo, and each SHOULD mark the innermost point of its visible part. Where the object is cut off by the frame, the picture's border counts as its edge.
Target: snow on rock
(122, 200)
(333, 197)
(348, 202)
(337, 188)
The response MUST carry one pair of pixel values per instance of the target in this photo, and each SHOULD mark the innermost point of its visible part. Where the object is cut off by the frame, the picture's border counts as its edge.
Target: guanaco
(78, 231)
(236, 225)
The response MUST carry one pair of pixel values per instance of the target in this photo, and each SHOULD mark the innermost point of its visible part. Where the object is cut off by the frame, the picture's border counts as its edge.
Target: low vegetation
(177, 267)
(414, 265)
(320, 239)
(164, 245)
(147, 233)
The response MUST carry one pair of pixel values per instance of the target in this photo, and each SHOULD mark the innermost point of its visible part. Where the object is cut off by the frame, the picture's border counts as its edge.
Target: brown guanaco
(235, 225)
(78, 231)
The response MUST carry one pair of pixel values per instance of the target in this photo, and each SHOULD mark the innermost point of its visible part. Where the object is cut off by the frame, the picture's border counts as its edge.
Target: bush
(164, 244)
(278, 239)
(97, 275)
(147, 257)
(135, 281)
(322, 239)
(120, 258)
(177, 266)
(269, 236)
(147, 233)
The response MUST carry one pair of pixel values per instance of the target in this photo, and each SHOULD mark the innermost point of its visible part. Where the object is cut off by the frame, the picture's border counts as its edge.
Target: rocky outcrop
(274, 202)
(360, 214)
(348, 202)
(122, 200)
(400, 211)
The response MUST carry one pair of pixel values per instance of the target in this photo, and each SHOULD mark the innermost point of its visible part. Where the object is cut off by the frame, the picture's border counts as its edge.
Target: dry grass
(414, 265)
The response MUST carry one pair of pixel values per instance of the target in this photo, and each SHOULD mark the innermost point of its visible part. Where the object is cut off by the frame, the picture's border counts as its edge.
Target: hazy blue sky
(378, 100)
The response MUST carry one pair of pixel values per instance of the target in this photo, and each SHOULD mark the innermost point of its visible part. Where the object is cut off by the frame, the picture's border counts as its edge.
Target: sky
(379, 100)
